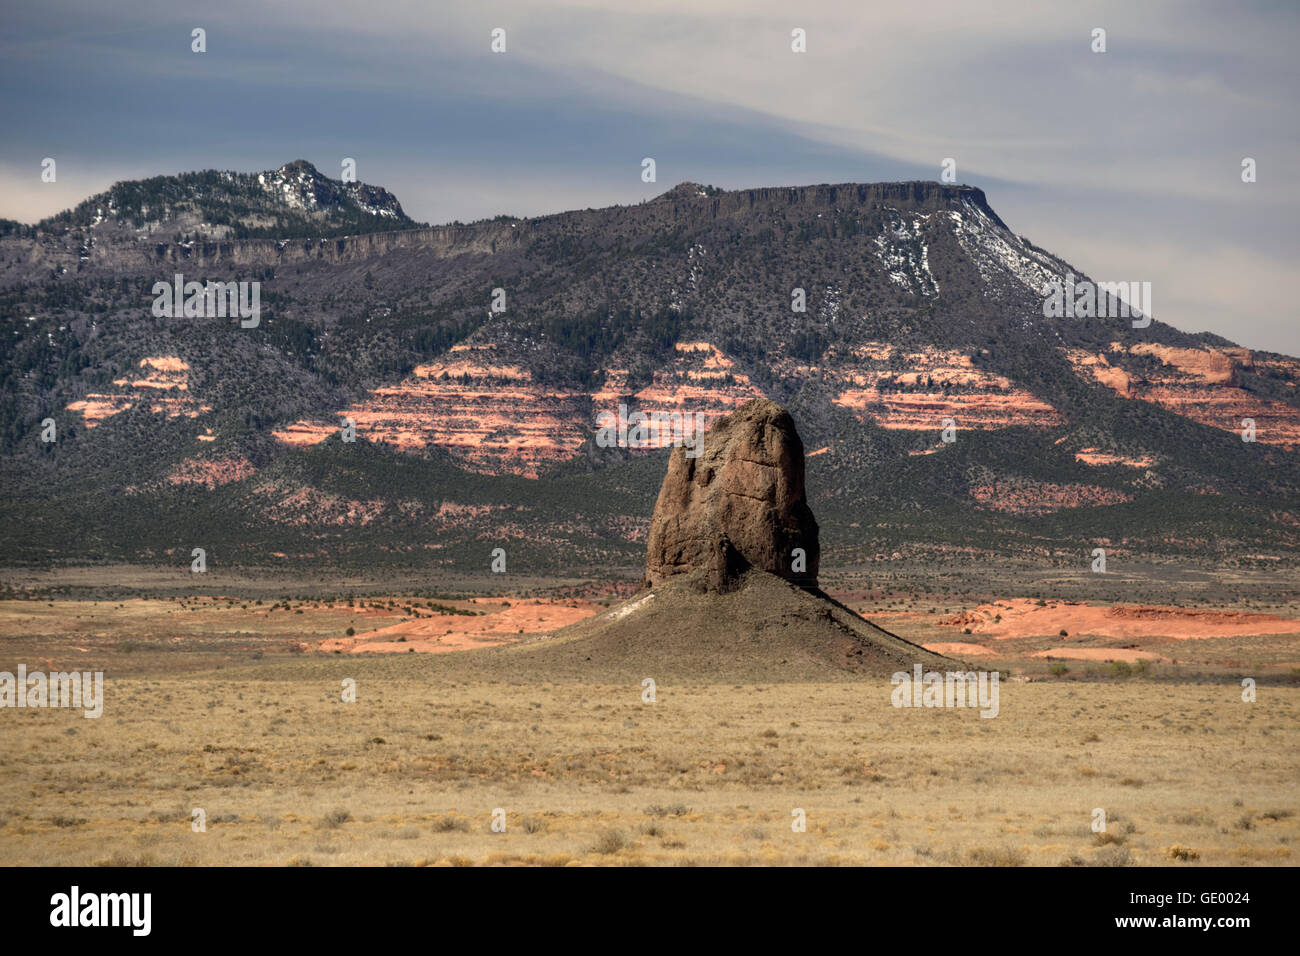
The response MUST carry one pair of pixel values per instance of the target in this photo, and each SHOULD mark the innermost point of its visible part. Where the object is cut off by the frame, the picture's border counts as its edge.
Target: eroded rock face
(931, 384)
(739, 505)
(159, 383)
(1203, 384)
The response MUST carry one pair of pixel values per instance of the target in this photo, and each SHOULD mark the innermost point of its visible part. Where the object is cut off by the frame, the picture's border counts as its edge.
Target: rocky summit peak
(291, 201)
(299, 166)
(738, 505)
(689, 190)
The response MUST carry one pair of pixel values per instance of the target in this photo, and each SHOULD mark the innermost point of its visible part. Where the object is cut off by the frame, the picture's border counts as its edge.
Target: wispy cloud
(1126, 162)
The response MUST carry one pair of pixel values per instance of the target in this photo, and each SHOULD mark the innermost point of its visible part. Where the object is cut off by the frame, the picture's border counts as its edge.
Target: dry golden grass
(211, 705)
(411, 772)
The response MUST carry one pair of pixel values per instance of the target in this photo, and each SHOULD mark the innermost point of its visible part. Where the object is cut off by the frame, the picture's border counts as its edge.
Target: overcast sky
(1126, 163)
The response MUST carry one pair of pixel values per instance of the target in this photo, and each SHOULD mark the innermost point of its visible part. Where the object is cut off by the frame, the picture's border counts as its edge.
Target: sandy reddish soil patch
(1126, 654)
(958, 649)
(1022, 617)
(305, 434)
(1091, 456)
(455, 632)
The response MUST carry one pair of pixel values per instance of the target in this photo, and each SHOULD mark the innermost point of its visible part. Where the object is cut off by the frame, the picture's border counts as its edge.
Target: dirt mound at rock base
(765, 629)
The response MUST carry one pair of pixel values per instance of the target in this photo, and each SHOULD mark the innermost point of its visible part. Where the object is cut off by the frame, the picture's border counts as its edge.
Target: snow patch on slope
(994, 249)
(902, 252)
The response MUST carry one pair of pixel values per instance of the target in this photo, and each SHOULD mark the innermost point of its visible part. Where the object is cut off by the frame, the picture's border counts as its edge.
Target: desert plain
(478, 736)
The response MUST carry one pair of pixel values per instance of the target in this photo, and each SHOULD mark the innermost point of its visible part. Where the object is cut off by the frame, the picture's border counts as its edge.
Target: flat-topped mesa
(738, 505)
(922, 195)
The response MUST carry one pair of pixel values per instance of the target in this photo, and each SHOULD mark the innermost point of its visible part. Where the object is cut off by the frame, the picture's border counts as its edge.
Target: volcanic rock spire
(738, 505)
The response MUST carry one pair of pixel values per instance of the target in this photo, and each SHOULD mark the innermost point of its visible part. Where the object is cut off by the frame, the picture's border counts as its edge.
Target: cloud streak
(1127, 162)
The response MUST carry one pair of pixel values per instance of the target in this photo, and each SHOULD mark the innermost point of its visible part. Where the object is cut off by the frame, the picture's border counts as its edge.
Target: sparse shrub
(336, 818)
(1181, 853)
(1059, 669)
(1112, 856)
(997, 856)
(610, 841)
(448, 824)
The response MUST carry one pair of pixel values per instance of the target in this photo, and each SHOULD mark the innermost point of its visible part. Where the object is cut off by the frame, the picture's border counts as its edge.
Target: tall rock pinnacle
(739, 505)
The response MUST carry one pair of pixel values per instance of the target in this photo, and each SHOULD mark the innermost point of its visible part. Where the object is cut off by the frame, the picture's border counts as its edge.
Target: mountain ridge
(209, 250)
(279, 203)
(921, 307)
